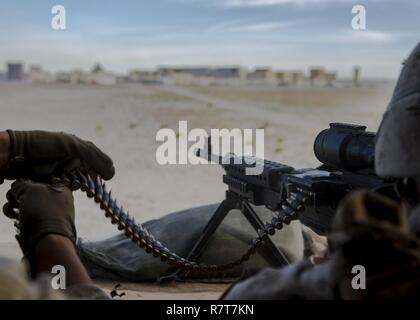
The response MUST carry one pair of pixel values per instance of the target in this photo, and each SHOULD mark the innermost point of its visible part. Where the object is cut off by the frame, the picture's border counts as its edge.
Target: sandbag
(118, 258)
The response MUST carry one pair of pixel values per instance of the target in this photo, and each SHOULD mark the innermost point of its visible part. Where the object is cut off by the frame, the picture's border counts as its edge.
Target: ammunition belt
(96, 189)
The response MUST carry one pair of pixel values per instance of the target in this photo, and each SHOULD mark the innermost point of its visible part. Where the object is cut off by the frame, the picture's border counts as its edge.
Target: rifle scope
(345, 147)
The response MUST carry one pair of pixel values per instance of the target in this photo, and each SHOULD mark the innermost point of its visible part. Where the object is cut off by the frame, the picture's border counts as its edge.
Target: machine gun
(310, 195)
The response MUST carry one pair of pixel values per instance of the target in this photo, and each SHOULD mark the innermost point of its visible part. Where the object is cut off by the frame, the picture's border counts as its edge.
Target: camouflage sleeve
(300, 280)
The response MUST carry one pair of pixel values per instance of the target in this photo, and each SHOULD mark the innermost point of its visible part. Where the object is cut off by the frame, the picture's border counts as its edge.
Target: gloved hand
(42, 153)
(42, 209)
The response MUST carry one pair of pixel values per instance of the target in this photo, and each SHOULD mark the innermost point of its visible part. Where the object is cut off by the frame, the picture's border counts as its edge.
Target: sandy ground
(168, 291)
(146, 291)
(123, 121)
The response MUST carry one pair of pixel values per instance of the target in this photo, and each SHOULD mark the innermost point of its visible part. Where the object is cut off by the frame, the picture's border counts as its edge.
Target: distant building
(298, 77)
(144, 77)
(180, 75)
(37, 75)
(285, 78)
(15, 71)
(228, 73)
(201, 75)
(98, 75)
(320, 76)
(190, 71)
(262, 76)
(165, 71)
(330, 78)
(73, 77)
(316, 75)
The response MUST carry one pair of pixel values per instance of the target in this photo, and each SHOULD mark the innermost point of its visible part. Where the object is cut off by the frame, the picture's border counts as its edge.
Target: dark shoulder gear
(369, 231)
(397, 151)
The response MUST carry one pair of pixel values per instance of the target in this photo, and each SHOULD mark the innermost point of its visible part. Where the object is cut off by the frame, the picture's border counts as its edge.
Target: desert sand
(123, 121)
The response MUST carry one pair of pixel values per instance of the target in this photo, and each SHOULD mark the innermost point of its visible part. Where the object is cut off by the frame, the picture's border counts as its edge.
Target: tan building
(330, 78)
(319, 76)
(201, 75)
(285, 78)
(97, 76)
(37, 75)
(298, 77)
(144, 77)
(262, 76)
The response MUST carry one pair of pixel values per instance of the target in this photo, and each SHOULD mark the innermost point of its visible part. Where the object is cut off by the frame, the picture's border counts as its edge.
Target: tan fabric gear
(367, 208)
(15, 284)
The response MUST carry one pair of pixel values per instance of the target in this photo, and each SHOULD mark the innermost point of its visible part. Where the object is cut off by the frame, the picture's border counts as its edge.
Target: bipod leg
(270, 251)
(224, 208)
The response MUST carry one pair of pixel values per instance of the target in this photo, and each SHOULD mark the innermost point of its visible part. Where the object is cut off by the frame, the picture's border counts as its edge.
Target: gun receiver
(347, 156)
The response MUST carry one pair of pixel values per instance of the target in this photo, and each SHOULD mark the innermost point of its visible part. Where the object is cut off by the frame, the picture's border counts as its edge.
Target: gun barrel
(201, 153)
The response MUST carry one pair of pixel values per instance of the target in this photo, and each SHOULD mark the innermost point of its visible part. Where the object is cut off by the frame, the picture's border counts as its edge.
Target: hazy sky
(285, 34)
